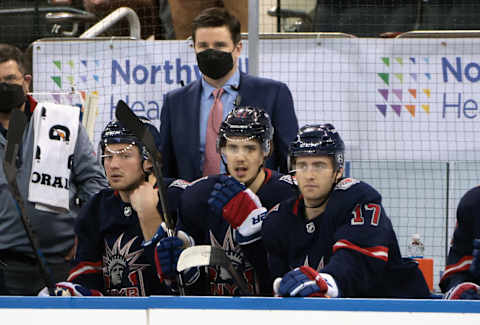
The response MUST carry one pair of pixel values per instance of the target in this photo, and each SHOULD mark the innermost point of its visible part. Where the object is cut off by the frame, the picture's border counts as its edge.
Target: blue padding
(244, 303)
(75, 302)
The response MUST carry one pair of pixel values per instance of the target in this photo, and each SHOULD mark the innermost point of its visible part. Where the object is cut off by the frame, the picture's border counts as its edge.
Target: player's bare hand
(144, 200)
(145, 197)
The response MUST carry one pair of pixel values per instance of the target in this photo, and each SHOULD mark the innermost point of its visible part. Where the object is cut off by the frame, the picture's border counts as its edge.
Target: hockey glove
(306, 282)
(475, 266)
(464, 291)
(238, 205)
(69, 289)
(167, 253)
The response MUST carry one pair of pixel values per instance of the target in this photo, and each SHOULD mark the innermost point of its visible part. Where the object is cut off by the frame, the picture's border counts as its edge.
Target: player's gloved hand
(167, 253)
(69, 289)
(464, 291)
(475, 266)
(306, 282)
(238, 205)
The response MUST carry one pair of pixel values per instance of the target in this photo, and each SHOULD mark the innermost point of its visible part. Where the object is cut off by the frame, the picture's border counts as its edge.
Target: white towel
(55, 135)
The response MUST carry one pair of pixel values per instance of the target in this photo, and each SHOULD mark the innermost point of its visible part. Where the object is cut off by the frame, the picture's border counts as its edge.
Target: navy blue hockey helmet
(317, 140)
(249, 122)
(115, 132)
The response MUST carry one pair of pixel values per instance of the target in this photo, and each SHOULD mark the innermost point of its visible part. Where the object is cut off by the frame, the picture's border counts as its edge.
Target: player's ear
(223, 150)
(339, 174)
(147, 166)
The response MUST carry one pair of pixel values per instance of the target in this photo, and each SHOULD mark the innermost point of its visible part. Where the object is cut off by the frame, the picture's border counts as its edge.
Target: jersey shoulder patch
(346, 183)
(198, 180)
(289, 179)
(180, 183)
(275, 208)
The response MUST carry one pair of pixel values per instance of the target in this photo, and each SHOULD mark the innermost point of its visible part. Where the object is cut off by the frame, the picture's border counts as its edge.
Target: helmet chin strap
(253, 179)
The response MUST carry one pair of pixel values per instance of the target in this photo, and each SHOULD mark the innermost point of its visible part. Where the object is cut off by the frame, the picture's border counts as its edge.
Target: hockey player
(334, 239)
(461, 278)
(115, 229)
(226, 210)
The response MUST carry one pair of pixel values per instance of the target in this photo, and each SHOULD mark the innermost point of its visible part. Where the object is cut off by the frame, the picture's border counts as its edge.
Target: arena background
(405, 102)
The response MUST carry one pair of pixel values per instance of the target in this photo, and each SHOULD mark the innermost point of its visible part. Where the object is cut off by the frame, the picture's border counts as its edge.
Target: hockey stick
(206, 255)
(90, 114)
(18, 122)
(131, 121)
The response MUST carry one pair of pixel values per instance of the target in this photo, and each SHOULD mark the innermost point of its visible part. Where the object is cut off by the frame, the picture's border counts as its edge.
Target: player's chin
(121, 185)
(246, 179)
(310, 192)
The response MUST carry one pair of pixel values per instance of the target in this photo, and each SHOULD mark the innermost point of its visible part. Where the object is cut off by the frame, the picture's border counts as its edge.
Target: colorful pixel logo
(85, 71)
(403, 85)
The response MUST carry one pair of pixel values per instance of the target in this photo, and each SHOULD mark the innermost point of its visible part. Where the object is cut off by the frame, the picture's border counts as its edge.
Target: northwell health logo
(401, 86)
(67, 71)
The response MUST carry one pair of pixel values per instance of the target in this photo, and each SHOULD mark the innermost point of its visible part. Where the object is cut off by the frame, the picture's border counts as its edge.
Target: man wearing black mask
(191, 115)
(19, 270)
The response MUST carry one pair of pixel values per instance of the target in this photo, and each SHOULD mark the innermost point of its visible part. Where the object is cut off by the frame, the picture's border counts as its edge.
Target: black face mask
(214, 63)
(11, 96)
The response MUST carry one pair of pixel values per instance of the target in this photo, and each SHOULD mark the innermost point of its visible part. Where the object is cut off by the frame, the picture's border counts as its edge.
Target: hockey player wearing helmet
(117, 228)
(334, 239)
(244, 143)
(461, 277)
(226, 210)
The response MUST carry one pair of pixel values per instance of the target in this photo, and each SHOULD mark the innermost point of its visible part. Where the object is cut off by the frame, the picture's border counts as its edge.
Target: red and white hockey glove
(239, 206)
(464, 291)
(69, 289)
(306, 282)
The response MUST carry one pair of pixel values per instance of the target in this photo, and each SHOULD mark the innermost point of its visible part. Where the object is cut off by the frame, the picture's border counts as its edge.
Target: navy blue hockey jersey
(460, 254)
(352, 240)
(207, 229)
(109, 256)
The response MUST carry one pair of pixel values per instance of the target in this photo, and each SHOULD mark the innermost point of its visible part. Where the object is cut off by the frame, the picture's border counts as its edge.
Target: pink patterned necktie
(211, 163)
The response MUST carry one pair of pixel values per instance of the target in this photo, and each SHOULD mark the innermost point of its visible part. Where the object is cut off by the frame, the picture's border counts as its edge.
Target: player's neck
(125, 195)
(258, 182)
(314, 208)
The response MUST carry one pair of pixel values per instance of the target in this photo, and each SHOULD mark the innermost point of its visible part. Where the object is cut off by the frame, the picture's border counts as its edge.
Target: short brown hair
(217, 17)
(9, 52)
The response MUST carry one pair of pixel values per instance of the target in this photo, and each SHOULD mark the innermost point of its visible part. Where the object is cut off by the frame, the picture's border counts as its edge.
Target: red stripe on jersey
(296, 204)
(462, 265)
(85, 268)
(268, 175)
(380, 252)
